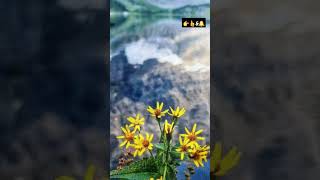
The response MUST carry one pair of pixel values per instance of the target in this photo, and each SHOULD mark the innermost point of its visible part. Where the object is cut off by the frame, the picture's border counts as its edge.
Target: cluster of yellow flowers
(189, 142)
(133, 138)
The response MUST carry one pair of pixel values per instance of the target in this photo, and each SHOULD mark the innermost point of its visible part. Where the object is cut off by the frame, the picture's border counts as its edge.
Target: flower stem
(151, 153)
(165, 172)
(159, 126)
(167, 152)
(160, 129)
(174, 120)
(167, 142)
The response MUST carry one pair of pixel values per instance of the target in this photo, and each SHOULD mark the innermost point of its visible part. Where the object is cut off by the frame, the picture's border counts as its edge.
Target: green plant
(164, 156)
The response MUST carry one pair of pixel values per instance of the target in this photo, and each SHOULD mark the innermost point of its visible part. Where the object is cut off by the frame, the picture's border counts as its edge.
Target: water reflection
(144, 37)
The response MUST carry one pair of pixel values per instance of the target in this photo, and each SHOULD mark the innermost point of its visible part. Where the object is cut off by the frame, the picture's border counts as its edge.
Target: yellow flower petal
(199, 132)
(180, 140)
(135, 153)
(182, 156)
(123, 143)
(150, 110)
(228, 161)
(128, 144)
(131, 119)
(124, 130)
(201, 163)
(187, 131)
(161, 106)
(201, 138)
(196, 163)
(182, 112)
(172, 111)
(151, 137)
(194, 127)
(120, 137)
(142, 151)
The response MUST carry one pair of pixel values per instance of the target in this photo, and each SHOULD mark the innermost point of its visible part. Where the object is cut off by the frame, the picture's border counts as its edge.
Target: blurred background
(265, 89)
(53, 88)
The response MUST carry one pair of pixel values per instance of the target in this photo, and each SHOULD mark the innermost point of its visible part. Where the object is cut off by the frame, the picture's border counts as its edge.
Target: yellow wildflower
(128, 136)
(157, 112)
(137, 150)
(219, 166)
(177, 112)
(198, 154)
(136, 122)
(184, 146)
(168, 128)
(142, 144)
(157, 178)
(205, 149)
(193, 135)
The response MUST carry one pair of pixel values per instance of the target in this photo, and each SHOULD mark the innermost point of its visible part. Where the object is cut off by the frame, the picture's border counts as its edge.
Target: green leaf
(171, 174)
(176, 163)
(136, 176)
(159, 146)
(176, 146)
(159, 154)
(173, 168)
(175, 155)
(146, 166)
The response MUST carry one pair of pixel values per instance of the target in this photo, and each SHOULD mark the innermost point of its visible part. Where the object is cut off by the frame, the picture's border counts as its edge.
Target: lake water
(143, 37)
(201, 173)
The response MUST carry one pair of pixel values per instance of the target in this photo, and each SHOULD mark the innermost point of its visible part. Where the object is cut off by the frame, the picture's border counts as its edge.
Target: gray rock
(153, 81)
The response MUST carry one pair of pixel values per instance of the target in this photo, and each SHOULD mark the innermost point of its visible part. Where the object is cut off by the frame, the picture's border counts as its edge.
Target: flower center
(195, 156)
(129, 136)
(168, 130)
(145, 143)
(192, 137)
(157, 112)
(184, 148)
